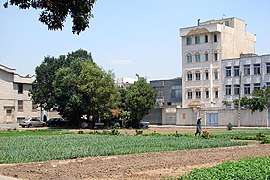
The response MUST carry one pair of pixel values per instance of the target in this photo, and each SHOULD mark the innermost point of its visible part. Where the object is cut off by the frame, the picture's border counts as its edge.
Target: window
(257, 69)
(246, 88)
(198, 75)
(215, 38)
(197, 40)
(216, 93)
(189, 94)
(189, 58)
(34, 107)
(227, 23)
(197, 57)
(228, 89)
(216, 74)
(268, 67)
(236, 89)
(206, 56)
(206, 38)
(20, 88)
(189, 76)
(247, 70)
(8, 112)
(175, 92)
(189, 40)
(257, 86)
(206, 75)
(20, 105)
(215, 56)
(268, 84)
(236, 70)
(228, 72)
(198, 94)
(206, 93)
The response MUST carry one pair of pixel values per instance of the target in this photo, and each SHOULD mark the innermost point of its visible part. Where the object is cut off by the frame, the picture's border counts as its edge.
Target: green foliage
(140, 99)
(75, 86)
(18, 149)
(139, 132)
(54, 13)
(259, 101)
(256, 168)
(229, 126)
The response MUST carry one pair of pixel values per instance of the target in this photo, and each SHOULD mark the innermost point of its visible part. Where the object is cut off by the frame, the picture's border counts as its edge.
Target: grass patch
(32, 148)
(255, 168)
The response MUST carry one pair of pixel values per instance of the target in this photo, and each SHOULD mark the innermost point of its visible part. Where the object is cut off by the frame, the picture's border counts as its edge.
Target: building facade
(203, 48)
(15, 103)
(169, 92)
(241, 76)
(125, 82)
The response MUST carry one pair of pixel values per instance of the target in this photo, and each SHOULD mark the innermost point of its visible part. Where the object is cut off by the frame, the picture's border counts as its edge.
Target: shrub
(115, 132)
(139, 132)
(116, 125)
(260, 135)
(229, 126)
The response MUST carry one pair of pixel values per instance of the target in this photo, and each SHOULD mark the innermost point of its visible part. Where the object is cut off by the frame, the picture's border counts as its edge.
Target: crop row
(17, 149)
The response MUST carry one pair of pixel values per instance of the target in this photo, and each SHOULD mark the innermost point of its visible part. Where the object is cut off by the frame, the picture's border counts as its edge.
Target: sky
(127, 36)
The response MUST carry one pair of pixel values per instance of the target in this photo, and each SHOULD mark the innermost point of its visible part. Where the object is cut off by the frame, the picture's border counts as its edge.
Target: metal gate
(211, 119)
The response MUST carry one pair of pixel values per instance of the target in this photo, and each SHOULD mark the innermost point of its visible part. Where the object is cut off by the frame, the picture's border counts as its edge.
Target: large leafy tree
(260, 100)
(75, 86)
(140, 99)
(55, 12)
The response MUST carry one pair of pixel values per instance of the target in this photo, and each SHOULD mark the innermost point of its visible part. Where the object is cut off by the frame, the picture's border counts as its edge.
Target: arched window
(216, 93)
(215, 56)
(215, 74)
(189, 94)
(198, 94)
(189, 76)
(198, 75)
(207, 94)
(206, 56)
(189, 58)
(206, 75)
(197, 57)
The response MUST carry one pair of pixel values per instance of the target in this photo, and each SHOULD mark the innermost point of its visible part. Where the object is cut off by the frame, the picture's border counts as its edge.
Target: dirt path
(135, 166)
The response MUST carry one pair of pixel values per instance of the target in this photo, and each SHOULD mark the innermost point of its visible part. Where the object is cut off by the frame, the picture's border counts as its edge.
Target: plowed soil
(155, 165)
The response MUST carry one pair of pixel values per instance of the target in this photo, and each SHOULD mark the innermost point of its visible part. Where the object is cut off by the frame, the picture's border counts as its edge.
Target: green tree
(55, 12)
(75, 86)
(260, 100)
(140, 99)
(43, 91)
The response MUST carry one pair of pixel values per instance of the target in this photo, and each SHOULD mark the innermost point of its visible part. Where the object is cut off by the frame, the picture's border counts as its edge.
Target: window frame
(228, 89)
(197, 75)
(197, 57)
(197, 39)
(246, 69)
(189, 76)
(257, 69)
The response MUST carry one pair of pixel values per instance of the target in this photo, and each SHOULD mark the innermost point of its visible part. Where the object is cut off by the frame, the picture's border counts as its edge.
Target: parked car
(32, 122)
(144, 124)
(56, 122)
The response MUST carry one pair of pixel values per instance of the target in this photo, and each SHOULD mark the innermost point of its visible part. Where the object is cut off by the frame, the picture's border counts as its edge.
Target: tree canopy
(75, 86)
(260, 100)
(55, 12)
(140, 98)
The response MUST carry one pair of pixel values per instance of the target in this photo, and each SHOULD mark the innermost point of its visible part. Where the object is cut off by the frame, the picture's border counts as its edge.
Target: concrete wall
(154, 116)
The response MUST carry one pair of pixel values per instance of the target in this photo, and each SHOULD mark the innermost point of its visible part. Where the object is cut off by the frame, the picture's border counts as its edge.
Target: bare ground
(136, 166)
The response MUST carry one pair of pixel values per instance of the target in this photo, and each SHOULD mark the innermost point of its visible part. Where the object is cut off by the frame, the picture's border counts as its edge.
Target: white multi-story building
(203, 48)
(15, 103)
(241, 76)
(125, 82)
